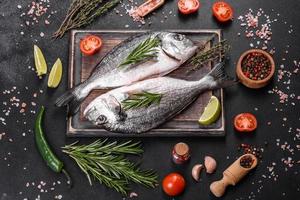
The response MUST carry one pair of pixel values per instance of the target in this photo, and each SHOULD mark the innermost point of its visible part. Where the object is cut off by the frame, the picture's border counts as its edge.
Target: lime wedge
(211, 112)
(39, 60)
(55, 74)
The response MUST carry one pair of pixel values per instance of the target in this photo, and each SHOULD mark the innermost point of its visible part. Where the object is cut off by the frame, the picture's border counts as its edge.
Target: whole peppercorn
(246, 161)
(256, 66)
(246, 148)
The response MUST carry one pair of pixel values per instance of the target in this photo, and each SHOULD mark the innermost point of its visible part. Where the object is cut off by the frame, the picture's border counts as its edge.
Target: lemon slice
(55, 74)
(39, 60)
(211, 112)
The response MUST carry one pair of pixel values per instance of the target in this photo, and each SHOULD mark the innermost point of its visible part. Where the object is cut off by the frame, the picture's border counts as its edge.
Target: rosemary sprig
(216, 52)
(106, 163)
(82, 13)
(143, 99)
(103, 147)
(143, 51)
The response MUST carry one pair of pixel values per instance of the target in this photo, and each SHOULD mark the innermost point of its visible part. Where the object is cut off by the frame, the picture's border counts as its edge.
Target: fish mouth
(94, 116)
(90, 114)
(170, 54)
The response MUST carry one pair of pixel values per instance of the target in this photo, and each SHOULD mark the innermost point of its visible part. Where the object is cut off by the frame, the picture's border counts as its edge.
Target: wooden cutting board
(184, 124)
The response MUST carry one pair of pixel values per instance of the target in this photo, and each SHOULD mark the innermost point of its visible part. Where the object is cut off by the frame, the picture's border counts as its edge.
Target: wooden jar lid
(181, 149)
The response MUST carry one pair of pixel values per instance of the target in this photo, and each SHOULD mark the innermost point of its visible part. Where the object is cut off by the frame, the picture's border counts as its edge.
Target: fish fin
(70, 99)
(220, 77)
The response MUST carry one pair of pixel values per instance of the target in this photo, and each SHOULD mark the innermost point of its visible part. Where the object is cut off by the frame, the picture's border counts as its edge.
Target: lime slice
(211, 112)
(39, 60)
(55, 74)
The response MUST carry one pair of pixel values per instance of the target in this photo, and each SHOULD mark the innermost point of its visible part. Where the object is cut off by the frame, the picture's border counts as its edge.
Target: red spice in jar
(181, 153)
(256, 66)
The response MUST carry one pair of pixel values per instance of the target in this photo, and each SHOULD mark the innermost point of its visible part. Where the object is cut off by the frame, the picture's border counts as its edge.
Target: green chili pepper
(52, 161)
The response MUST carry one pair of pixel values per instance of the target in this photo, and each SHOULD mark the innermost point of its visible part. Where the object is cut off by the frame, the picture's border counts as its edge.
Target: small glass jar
(181, 153)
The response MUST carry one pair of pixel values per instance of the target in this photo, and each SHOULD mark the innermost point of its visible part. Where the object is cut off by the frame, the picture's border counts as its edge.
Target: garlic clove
(210, 164)
(196, 172)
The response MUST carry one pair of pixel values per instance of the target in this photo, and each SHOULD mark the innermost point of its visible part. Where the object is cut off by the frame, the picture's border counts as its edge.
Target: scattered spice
(246, 148)
(257, 24)
(133, 194)
(132, 12)
(41, 187)
(285, 77)
(35, 12)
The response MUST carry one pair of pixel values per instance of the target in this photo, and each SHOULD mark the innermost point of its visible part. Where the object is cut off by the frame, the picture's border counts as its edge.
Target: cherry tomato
(188, 6)
(90, 45)
(222, 11)
(245, 122)
(173, 184)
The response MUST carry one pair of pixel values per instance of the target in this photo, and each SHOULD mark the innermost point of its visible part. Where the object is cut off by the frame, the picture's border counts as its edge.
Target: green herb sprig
(106, 162)
(142, 52)
(82, 13)
(216, 52)
(143, 99)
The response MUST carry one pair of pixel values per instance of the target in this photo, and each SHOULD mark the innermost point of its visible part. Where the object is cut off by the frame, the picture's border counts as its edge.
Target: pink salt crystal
(133, 194)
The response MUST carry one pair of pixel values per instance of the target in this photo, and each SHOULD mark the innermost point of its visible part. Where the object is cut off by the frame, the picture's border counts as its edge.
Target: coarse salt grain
(257, 25)
(132, 12)
(133, 194)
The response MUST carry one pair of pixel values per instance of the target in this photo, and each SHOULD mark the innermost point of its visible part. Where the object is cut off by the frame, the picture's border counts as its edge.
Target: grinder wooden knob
(232, 175)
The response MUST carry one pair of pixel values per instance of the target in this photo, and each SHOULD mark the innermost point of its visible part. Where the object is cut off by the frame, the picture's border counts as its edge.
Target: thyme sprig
(216, 52)
(82, 13)
(106, 162)
(143, 99)
(142, 52)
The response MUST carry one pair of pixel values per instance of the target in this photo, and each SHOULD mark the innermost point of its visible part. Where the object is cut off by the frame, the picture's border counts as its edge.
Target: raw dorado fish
(107, 109)
(173, 51)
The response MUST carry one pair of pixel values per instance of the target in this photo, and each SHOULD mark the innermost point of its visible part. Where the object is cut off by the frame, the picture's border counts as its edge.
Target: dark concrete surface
(20, 162)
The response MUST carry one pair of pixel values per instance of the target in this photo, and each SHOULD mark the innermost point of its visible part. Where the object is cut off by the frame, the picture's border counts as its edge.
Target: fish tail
(220, 78)
(71, 99)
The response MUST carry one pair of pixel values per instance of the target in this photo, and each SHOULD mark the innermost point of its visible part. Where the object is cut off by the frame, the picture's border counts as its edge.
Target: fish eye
(178, 37)
(101, 120)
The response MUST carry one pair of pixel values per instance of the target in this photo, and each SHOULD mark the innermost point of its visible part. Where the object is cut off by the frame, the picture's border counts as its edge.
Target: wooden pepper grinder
(234, 173)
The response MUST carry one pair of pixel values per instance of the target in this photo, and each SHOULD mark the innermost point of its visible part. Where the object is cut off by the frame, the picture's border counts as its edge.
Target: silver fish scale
(177, 95)
(111, 62)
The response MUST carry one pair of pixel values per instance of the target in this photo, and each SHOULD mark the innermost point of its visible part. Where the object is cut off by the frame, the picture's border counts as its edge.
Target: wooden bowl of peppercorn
(255, 68)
